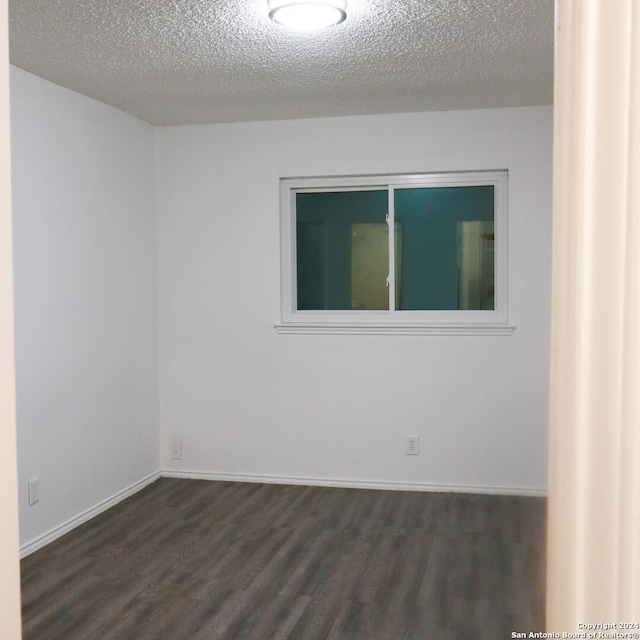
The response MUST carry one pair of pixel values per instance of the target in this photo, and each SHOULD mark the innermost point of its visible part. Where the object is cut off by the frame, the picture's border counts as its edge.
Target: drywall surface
(85, 298)
(248, 402)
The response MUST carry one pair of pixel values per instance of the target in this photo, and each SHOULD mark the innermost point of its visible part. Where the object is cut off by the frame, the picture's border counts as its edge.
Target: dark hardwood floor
(187, 559)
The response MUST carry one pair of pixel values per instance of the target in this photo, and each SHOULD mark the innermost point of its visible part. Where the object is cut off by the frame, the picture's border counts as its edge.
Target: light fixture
(307, 15)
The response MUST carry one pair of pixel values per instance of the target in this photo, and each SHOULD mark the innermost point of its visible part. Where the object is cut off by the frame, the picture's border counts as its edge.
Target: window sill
(395, 329)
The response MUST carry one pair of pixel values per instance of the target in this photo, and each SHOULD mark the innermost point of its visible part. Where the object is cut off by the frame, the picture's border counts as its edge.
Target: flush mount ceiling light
(307, 15)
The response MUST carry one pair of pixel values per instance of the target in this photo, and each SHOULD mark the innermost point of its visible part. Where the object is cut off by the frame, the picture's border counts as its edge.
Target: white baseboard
(353, 484)
(65, 527)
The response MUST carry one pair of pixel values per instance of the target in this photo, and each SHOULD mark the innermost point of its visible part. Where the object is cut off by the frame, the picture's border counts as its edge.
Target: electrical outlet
(176, 450)
(412, 445)
(34, 491)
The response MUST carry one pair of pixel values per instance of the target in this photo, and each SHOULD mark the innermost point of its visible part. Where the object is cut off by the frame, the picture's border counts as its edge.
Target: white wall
(248, 402)
(86, 301)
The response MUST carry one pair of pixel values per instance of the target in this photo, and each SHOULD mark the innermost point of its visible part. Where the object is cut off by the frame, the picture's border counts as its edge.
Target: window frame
(442, 322)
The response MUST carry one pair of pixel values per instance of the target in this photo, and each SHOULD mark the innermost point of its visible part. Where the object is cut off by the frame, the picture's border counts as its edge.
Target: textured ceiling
(204, 61)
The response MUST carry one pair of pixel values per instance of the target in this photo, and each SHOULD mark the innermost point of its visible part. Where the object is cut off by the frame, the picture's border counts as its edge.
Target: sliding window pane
(342, 251)
(447, 239)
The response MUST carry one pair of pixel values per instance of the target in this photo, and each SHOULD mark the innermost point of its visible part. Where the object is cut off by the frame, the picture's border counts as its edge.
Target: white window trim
(449, 322)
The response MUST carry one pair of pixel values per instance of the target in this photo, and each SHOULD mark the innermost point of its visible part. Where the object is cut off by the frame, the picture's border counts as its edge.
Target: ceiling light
(307, 15)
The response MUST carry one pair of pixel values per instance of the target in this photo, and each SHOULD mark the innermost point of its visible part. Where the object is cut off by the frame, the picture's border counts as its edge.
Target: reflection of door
(487, 278)
(369, 265)
(476, 265)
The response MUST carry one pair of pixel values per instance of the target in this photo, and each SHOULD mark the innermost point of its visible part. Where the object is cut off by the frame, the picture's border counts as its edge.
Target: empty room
(282, 303)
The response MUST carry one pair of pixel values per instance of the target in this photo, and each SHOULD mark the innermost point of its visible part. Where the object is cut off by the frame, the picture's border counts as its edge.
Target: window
(402, 253)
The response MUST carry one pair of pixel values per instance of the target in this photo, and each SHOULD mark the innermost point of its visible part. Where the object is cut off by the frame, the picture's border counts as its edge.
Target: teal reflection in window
(447, 240)
(441, 256)
(342, 250)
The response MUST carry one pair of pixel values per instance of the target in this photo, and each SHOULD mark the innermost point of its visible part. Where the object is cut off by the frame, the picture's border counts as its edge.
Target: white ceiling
(204, 61)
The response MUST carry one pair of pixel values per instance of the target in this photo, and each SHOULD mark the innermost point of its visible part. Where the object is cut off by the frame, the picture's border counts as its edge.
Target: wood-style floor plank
(189, 559)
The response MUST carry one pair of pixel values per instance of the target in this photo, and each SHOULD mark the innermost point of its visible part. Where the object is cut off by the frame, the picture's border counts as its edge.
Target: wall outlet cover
(34, 491)
(412, 445)
(176, 450)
